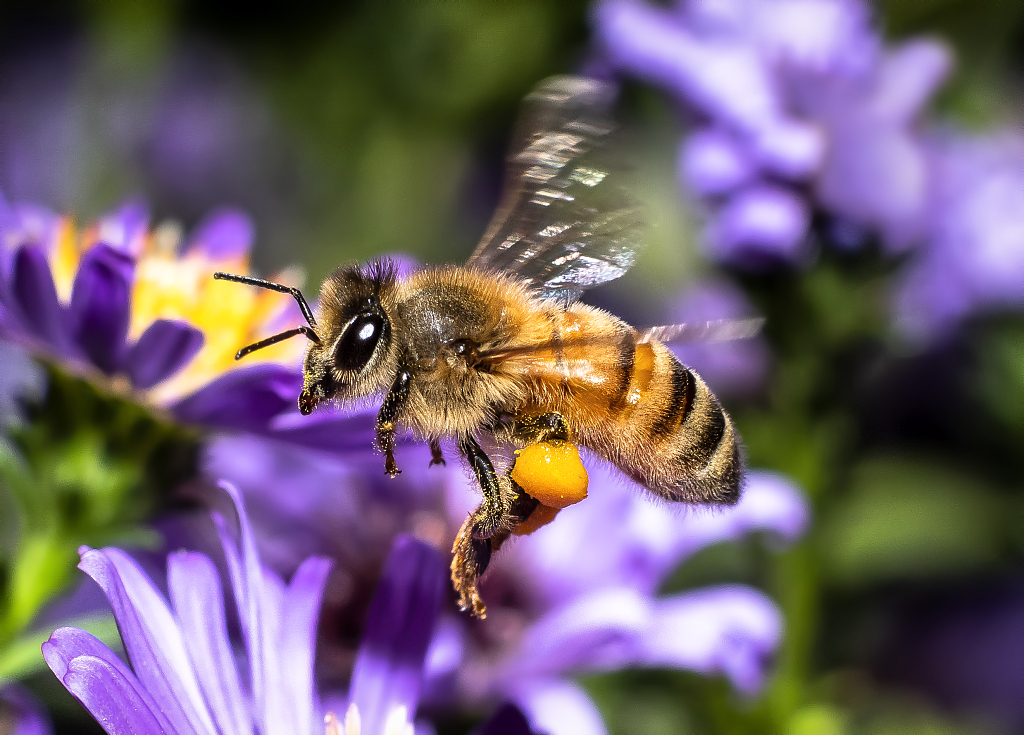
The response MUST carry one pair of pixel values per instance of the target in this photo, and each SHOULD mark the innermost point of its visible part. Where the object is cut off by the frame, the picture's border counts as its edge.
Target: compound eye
(356, 346)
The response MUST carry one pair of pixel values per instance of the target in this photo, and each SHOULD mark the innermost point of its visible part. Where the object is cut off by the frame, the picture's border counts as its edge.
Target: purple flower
(116, 303)
(974, 259)
(184, 677)
(799, 107)
(577, 596)
(587, 599)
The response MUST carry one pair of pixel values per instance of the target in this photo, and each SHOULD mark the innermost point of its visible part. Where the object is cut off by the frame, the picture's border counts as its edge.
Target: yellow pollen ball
(542, 515)
(552, 473)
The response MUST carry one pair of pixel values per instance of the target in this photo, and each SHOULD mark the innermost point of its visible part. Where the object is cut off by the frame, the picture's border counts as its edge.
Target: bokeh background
(888, 384)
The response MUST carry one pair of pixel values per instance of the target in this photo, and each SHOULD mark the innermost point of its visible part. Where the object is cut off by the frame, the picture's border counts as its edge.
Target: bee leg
(436, 456)
(523, 506)
(495, 512)
(472, 555)
(493, 517)
(470, 559)
(388, 418)
(540, 428)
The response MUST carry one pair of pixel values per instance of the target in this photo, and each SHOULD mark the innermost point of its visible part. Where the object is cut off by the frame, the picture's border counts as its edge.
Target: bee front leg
(388, 417)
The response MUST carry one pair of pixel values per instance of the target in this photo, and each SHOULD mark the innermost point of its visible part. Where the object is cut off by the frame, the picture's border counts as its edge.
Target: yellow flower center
(170, 286)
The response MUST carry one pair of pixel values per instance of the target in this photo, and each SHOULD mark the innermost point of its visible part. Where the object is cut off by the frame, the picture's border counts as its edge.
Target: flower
(184, 677)
(119, 303)
(579, 595)
(587, 587)
(800, 107)
(974, 258)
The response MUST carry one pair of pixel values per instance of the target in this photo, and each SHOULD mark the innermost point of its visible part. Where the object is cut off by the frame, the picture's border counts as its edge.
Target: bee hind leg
(486, 528)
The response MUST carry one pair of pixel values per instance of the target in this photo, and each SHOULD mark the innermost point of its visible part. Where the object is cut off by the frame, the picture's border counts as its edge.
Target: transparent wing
(564, 223)
(718, 330)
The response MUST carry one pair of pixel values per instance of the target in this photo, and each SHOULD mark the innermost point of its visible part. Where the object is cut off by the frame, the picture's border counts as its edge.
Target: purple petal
(599, 631)
(729, 630)
(195, 591)
(35, 297)
(101, 305)
(910, 74)
(762, 224)
(340, 432)
(225, 234)
(22, 712)
(712, 162)
(793, 150)
(632, 541)
(243, 399)
(507, 720)
(162, 350)
(103, 684)
(298, 638)
(558, 707)
(721, 76)
(259, 603)
(820, 37)
(151, 636)
(770, 502)
(125, 228)
(400, 623)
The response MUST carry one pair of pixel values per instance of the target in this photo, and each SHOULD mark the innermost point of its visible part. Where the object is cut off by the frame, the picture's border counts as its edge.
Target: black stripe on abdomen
(625, 362)
(684, 387)
(708, 432)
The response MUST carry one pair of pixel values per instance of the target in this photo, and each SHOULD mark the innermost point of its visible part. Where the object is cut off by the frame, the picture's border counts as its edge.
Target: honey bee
(499, 350)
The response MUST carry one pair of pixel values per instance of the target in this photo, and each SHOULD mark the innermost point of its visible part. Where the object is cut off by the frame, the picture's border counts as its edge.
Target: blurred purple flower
(975, 254)
(21, 713)
(579, 595)
(185, 679)
(736, 368)
(799, 107)
(586, 599)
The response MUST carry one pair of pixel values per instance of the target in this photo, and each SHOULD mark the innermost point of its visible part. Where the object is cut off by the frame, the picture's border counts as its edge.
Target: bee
(500, 349)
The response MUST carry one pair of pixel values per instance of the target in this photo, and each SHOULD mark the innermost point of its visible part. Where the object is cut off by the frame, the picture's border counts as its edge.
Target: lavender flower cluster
(799, 110)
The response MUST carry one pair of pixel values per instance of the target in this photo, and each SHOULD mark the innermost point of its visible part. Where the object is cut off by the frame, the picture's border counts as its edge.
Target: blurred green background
(353, 129)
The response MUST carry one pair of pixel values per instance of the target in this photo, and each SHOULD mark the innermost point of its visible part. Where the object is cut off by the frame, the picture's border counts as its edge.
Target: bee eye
(356, 346)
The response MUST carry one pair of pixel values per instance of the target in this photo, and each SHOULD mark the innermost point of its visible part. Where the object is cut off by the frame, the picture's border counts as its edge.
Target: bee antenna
(280, 288)
(275, 339)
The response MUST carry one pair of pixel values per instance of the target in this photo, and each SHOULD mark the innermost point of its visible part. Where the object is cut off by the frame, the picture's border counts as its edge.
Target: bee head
(355, 354)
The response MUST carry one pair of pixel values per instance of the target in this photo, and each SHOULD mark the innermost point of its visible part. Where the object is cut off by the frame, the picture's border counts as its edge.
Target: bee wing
(718, 330)
(563, 224)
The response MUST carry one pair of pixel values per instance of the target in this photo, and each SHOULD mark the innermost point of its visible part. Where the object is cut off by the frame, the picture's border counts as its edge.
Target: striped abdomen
(636, 405)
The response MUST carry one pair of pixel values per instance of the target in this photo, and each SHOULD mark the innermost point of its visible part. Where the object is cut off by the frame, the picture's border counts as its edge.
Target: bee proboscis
(500, 348)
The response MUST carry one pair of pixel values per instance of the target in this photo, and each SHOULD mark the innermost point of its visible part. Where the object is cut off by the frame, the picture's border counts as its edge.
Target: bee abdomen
(674, 436)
